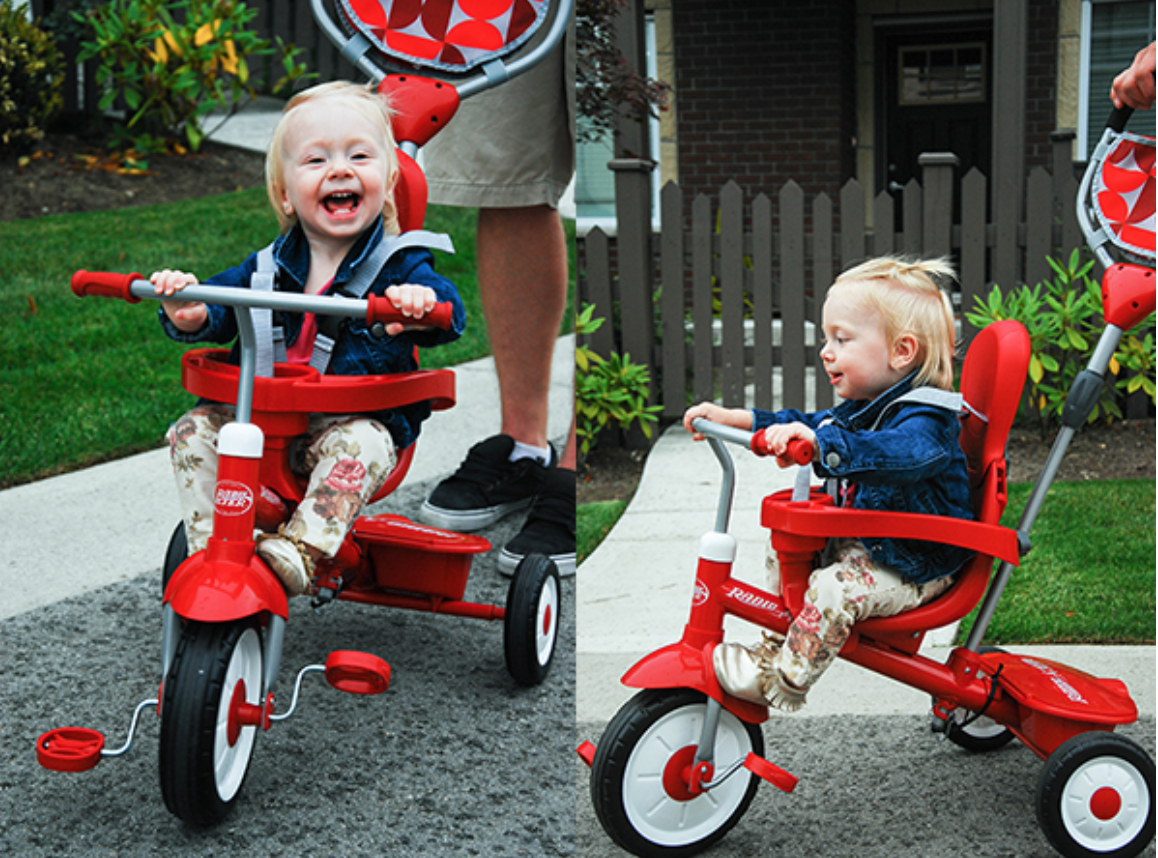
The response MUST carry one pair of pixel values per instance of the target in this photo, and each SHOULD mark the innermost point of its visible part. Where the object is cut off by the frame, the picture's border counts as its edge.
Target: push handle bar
(375, 308)
(1119, 118)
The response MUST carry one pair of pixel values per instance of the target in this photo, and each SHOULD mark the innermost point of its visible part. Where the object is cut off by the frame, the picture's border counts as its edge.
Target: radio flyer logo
(232, 498)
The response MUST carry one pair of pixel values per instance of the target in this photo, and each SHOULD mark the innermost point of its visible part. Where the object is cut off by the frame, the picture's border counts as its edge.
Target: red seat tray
(297, 388)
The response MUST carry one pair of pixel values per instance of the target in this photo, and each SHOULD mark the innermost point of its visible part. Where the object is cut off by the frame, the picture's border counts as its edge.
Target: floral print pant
(850, 587)
(347, 457)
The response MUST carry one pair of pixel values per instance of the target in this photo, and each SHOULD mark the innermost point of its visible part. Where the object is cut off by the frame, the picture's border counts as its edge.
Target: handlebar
(799, 450)
(375, 308)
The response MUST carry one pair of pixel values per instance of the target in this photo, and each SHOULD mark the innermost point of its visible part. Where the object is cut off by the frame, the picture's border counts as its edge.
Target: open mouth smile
(343, 203)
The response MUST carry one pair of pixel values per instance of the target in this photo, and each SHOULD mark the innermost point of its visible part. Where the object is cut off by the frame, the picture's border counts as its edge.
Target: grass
(593, 522)
(94, 380)
(1089, 578)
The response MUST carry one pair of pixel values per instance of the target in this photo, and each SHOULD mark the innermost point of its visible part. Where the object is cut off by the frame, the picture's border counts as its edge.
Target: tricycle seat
(991, 383)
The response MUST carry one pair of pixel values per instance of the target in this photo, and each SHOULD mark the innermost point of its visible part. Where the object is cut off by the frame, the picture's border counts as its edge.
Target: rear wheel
(977, 733)
(637, 784)
(531, 620)
(176, 554)
(204, 751)
(1095, 796)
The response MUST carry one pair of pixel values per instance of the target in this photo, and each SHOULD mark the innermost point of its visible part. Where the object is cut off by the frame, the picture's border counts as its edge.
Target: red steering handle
(379, 309)
(105, 284)
(799, 450)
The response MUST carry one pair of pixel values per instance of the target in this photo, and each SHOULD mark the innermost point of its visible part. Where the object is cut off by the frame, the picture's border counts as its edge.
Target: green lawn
(1089, 578)
(92, 380)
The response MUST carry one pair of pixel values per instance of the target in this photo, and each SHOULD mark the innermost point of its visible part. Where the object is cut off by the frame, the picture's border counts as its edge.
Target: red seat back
(992, 380)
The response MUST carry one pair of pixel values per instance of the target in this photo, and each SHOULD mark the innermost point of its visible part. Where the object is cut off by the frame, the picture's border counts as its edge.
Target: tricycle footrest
(357, 672)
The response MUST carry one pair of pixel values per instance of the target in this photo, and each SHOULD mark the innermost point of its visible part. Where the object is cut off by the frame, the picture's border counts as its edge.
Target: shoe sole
(468, 519)
(508, 563)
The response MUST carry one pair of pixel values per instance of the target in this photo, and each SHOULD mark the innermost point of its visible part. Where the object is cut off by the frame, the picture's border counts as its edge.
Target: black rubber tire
(1068, 791)
(641, 740)
(531, 621)
(201, 773)
(176, 554)
(981, 735)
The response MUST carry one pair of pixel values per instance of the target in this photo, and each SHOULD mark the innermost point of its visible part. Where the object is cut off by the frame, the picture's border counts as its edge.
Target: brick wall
(766, 94)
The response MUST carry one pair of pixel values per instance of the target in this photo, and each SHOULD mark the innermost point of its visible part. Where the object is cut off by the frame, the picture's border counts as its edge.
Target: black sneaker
(486, 487)
(550, 527)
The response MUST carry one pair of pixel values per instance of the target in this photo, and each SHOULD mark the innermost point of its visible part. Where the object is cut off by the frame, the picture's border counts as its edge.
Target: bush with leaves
(31, 74)
(1064, 320)
(171, 64)
(608, 391)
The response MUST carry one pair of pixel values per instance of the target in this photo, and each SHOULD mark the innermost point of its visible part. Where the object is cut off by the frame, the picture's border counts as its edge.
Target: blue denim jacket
(912, 462)
(356, 351)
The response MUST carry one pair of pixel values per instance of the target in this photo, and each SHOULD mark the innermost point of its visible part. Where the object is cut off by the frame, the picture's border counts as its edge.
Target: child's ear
(904, 352)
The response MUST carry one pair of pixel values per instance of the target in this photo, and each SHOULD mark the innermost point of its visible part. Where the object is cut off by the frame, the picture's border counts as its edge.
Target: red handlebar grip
(379, 309)
(105, 284)
(799, 450)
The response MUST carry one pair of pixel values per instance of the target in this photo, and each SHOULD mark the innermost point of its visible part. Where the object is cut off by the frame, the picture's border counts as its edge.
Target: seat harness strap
(271, 339)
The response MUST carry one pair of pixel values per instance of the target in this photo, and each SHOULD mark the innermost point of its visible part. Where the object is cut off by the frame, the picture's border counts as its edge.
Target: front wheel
(176, 554)
(637, 788)
(204, 751)
(531, 620)
(1095, 797)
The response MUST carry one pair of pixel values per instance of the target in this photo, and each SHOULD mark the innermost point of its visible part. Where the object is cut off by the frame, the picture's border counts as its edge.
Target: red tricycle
(225, 612)
(679, 764)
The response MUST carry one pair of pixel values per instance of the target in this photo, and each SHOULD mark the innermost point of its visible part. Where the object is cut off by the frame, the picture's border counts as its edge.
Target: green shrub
(31, 74)
(173, 63)
(608, 390)
(1064, 320)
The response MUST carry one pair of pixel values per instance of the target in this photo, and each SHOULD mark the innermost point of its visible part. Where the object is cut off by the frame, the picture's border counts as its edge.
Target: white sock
(528, 451)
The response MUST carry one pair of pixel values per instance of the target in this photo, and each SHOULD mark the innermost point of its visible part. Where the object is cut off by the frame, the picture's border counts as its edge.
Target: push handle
(379, 309)
(1119, 118)
(799, 450)
(105, 284)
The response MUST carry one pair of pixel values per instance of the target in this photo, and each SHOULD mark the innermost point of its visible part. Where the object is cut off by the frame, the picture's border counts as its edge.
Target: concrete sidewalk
(634, 592)
(81, 531)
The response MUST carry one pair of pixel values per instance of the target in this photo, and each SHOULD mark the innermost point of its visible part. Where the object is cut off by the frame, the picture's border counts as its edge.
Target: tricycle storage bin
(414, 558)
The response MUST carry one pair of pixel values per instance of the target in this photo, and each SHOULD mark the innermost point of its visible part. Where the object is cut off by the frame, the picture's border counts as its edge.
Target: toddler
(888, 351)
(330, 173)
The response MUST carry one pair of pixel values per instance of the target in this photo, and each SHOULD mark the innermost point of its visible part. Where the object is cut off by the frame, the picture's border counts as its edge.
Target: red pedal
(357, 672)
(775, 775)
(69, 749)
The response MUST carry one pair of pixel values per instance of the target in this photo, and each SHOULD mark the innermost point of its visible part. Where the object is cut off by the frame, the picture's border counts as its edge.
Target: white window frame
(1089, 135)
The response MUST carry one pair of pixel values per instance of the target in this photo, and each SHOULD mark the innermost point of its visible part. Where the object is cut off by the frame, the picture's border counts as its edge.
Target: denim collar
(858, 414)
(291, 252)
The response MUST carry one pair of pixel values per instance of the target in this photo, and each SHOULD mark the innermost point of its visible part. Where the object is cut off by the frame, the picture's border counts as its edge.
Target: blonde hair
(907, 295)
(360, 97)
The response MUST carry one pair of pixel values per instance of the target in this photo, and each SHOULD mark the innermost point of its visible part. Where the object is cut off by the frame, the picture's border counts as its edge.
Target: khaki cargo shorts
(512, 146)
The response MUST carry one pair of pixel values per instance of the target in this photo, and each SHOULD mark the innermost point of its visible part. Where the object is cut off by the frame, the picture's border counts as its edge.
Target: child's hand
(413, 301)
(776, 438)
(738, 418)
(187, 316)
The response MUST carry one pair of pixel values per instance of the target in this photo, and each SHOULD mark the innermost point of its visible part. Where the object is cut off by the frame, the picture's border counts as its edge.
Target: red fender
(225, 582)
(682, 665)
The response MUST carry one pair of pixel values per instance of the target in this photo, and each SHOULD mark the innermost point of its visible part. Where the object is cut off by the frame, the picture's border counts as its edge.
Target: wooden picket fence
(732, 309)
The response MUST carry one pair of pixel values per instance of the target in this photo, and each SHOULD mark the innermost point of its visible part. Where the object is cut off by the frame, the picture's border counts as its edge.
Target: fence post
(1065, 189)
(937, 170)
(731, 280)
(792, 293)
(671, 261)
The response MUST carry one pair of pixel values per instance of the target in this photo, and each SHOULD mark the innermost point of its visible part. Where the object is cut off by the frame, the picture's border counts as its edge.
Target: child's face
(859, 360)
(335, 171)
